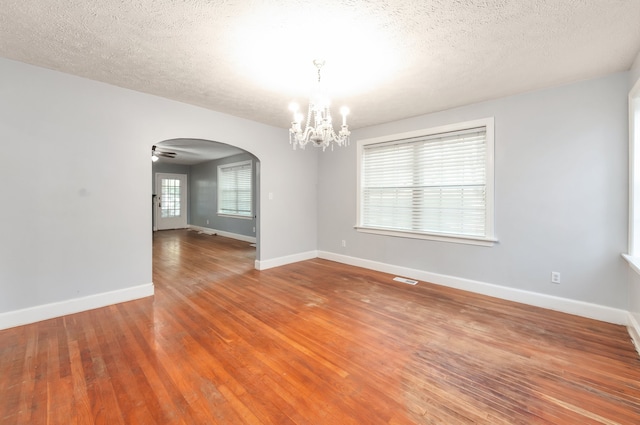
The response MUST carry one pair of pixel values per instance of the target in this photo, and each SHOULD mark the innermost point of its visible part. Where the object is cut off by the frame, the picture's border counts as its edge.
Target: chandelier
(319, 127)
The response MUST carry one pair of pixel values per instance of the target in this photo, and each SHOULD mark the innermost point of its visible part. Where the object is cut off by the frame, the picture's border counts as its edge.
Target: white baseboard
(634, 330)
(565, 305)
(38, 313)
(209, 231)
(281, 261)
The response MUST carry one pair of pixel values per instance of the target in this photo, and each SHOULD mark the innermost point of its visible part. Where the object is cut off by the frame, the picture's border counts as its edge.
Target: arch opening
(230, 209)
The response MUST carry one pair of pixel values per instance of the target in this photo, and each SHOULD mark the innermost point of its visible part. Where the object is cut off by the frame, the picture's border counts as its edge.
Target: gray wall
(203, 197)
(561, 195)
(79, 170)
(165, 167)
(77, 157)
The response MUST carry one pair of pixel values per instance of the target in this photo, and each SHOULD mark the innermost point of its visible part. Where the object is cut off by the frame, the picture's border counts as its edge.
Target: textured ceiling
(195, 151)
(386, 59)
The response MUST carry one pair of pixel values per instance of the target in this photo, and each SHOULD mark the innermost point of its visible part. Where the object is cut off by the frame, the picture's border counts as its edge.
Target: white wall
(75, 169)
(561, 196)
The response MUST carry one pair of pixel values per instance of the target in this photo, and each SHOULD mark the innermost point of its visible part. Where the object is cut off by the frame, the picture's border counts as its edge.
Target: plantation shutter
(234, 189)
(429, 184)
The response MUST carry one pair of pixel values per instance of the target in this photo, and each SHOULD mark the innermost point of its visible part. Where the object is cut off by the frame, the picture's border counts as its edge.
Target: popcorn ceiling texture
(248, 58)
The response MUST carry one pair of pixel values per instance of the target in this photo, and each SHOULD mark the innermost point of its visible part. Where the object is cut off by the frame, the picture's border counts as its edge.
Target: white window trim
(238, 216)
(490, 239)
(633, 256)
(230, 165)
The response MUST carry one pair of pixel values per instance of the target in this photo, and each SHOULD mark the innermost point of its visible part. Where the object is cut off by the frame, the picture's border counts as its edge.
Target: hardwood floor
(314, 342)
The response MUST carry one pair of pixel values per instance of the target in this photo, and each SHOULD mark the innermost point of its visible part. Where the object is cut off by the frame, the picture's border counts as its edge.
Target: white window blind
(235, 189)
(429, 184)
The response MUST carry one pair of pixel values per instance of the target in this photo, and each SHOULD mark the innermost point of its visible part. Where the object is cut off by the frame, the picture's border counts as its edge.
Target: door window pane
(170, 201)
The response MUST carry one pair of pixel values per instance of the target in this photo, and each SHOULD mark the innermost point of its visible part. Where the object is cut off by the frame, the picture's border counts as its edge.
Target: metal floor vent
(405, 280)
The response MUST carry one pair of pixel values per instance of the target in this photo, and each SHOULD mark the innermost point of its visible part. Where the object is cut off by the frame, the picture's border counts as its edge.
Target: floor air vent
(405, 280)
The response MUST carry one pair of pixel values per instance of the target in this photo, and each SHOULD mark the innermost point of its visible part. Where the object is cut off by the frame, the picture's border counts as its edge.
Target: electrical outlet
(207, 221)
(555, 277)
(344, 243)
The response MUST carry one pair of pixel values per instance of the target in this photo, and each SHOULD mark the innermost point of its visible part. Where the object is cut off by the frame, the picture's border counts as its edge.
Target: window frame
(219, 189)
(489, 239)
(633, 254)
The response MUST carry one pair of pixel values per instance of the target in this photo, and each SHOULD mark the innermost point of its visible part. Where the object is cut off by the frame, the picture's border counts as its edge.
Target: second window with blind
(430, 184)
(235, 189)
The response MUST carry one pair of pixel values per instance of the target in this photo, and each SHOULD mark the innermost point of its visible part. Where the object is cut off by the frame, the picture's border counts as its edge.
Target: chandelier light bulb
(344, 111)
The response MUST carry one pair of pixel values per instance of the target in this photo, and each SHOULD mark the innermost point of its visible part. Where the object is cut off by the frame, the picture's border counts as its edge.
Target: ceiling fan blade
(155, 148)
(156, 152)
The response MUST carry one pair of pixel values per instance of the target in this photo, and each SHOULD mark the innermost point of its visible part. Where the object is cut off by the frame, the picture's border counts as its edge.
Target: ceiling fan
(156, 153)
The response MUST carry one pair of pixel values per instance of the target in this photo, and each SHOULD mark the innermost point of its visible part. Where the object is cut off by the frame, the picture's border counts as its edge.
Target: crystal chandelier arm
(298, 137)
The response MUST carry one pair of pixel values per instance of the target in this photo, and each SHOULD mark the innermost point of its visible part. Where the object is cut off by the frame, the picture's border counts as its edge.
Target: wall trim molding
(634, 330)
(210, 231)
(38, 313)
(564, 305)
(287, 259)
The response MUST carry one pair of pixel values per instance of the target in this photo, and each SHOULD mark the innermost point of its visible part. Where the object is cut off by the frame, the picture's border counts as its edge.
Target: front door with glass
(171, 201)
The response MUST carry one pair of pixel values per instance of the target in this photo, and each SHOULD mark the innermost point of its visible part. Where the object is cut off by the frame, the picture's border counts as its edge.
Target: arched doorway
(214, 185)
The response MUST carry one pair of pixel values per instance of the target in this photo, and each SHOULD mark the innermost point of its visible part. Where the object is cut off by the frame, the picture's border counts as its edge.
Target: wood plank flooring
(314, 342)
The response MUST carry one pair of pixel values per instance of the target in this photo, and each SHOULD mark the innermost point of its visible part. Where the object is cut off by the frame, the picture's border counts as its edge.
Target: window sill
(242, 217)
(433, 237)
(634, 262)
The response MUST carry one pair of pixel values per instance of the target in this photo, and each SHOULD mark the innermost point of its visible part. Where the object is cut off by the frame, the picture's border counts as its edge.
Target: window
(429, 184)
(235, 192)
(170, 204)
